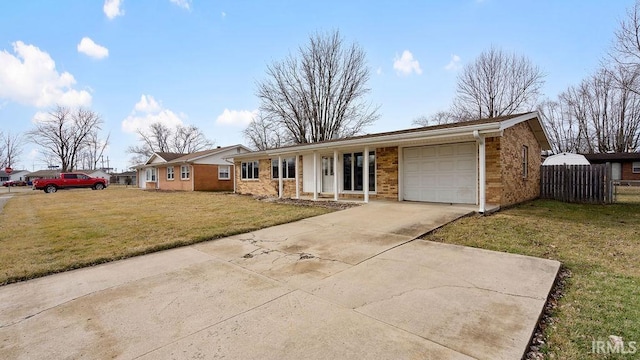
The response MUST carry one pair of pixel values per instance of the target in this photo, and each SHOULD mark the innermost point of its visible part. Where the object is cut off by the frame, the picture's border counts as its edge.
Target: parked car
(69, 181)
(14, 183)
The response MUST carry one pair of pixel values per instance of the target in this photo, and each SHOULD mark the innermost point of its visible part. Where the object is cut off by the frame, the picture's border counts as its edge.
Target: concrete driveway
(352, 284)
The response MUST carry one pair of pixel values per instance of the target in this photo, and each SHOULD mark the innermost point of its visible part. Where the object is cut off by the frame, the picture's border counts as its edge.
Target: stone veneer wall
(387, 173)
(265, 185)
(515, 188)
(493, 171)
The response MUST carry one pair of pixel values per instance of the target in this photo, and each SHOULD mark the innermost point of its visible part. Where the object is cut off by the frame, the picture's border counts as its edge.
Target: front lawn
(599, 244)
(47, 233)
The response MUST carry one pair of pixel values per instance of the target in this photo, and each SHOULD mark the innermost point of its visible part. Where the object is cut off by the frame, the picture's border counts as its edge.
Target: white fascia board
(518, 119)
(393, 138)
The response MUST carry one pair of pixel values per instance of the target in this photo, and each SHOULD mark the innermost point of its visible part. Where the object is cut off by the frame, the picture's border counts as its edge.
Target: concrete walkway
(347, 285)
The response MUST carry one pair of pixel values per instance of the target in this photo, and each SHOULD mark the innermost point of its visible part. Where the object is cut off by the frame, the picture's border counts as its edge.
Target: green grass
(599, 244)
(48, 233)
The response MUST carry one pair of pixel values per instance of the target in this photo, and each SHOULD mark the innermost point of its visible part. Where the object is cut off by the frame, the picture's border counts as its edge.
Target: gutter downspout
(482, 171)
(232, 168)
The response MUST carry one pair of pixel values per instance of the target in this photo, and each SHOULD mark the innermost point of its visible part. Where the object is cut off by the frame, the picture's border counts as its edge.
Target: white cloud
(112, 9)
(223, 14)
(147, 104)
(406, 64)
(236, 117)
(454, 64)
(91, 49)
(30, 77)
(379, 71)
(148, 111)
(185, 4)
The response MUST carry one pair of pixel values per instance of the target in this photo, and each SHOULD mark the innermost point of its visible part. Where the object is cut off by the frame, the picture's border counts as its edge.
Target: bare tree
(64, 132)
(161, 138)
(263, 134)
(497, 84)
(93, 152)
(318, 95)
(188, 139)
(626, 46)
(439, 118)
(10, 149)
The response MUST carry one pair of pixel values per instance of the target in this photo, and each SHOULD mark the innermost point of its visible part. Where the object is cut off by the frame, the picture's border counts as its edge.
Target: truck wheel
(50, 189)
(99, 186)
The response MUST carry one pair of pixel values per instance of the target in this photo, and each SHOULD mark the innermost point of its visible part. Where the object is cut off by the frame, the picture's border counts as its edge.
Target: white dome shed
(566, 159)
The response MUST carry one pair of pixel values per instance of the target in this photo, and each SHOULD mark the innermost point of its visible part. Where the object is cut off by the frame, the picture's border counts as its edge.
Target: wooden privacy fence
(577, 183)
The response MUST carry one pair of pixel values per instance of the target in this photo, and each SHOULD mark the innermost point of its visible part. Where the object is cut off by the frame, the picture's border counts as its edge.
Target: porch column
(335, 175)
(280, 185)
(315, 175)
(365, 174)
(297, 178)
(482, 174)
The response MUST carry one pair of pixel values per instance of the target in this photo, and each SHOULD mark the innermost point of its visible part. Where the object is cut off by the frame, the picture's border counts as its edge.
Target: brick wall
(387, 173)
(176, 183)
(627, 172)
(515, 188)
(206, 178)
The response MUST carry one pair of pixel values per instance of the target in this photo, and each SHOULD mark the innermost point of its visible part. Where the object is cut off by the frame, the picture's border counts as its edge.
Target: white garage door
(440, 173)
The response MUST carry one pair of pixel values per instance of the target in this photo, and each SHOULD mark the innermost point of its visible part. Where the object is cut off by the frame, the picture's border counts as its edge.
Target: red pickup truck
(69, 181)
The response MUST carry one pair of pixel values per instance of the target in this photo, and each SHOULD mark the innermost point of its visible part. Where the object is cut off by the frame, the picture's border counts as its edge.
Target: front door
(616, 171)
(327, 174)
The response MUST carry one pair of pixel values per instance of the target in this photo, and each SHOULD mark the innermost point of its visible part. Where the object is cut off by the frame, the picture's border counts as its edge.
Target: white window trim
(635, 167)
(173, 173)
(525, 161)
(188, 172)
(285, 166)
(353, 160)
(228, 177)
(251, 178)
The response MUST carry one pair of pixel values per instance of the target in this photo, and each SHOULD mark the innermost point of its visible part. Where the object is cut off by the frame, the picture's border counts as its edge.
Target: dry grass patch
(600, 245)
(47, 233)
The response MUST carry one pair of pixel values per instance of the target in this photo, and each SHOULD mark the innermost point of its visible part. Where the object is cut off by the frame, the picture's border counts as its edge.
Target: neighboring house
(489, 161)
(99, 173)
(566, 159)
(16, 175)
(124, 178)
(43, 174)
(624, 166)
(207, 170)
(19, 175)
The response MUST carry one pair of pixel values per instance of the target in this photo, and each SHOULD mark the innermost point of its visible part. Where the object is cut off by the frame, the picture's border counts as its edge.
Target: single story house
(124, 178)
(43, 174)
(207, 170)
(98, 173)
(16, 175)
(489, 161)
(565, 159)
(624, 166)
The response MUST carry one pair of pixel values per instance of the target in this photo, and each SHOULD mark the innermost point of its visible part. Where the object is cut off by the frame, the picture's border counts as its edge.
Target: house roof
(4, 174)
(466, 128)
(201, 154)
(605, 157)
(44, 173)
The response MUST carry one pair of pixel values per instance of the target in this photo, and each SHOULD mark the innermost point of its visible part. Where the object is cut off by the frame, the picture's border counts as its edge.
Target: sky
(196, 62)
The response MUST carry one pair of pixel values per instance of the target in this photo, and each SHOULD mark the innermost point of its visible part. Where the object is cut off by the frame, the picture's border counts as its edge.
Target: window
(525, 161)
(250, 170)
(151, 174)
(224, 172)
(184, 172)
(353, 166)
(170, 173)
(635, 167)
(288, 168)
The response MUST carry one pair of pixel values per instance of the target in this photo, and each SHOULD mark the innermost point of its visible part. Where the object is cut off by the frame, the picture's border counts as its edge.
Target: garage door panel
(441, 173)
